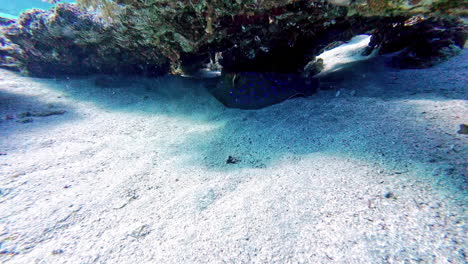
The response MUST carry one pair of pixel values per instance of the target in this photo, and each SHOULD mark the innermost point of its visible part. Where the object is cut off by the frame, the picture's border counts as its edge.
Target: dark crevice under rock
(281, 39)
(424, 42)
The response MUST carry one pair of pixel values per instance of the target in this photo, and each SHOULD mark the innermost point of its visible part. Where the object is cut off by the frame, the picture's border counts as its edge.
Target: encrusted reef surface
(68, 41)
(424, 42)
(282, 36)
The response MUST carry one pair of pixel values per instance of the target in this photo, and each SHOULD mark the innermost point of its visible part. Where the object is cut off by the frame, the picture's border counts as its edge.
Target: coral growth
(69, 41)
(143, 36)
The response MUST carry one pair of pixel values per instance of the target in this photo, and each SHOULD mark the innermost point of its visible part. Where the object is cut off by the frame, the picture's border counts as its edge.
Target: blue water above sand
(333, 174)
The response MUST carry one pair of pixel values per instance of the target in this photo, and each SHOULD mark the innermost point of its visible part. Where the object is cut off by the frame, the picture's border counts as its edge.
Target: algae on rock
(183, 28)
(68, 41)
(246, 35)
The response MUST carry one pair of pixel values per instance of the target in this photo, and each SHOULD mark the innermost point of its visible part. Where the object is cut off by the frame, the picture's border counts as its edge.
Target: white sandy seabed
(369, 170)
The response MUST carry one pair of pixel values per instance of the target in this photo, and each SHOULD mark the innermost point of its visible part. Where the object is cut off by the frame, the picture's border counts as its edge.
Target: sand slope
(136, 172)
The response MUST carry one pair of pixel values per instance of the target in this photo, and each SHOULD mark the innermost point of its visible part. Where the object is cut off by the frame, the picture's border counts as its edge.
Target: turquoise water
(133, 167)
(11, 9)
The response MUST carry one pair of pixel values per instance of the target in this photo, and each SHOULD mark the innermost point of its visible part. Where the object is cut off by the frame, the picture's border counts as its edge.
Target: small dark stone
(57, 251)
(141, 232)
(389, 195)
(3, 154)
(463, 129)
(232, 160)
(67, 186)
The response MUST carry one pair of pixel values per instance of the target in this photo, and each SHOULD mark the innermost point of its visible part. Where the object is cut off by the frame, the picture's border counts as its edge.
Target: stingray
(254, 90)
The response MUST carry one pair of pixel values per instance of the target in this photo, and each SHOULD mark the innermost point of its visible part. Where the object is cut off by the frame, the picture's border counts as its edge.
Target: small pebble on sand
(390, 195)
(57, 251)
(232, 160)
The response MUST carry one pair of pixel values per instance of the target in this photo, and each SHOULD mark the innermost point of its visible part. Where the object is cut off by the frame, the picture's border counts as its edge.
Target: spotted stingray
(254, 90)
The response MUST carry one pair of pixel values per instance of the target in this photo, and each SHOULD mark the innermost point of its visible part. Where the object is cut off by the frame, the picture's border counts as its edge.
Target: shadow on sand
(377, 117)
(20, 111)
